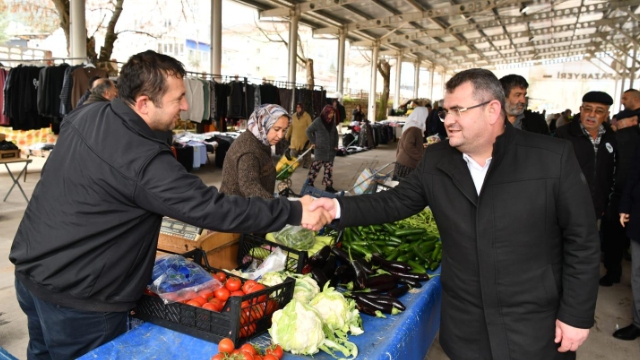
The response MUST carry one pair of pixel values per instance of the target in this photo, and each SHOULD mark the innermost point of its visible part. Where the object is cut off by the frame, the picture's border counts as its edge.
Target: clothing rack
(289, 84)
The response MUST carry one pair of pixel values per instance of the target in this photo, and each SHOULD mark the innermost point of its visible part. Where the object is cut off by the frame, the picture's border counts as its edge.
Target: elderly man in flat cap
(595, 145)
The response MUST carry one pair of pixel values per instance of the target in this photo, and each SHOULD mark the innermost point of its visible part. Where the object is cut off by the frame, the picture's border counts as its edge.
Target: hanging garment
(236, 101)
(81, 77)
(285, 99)
(270, 94)
(4, 120)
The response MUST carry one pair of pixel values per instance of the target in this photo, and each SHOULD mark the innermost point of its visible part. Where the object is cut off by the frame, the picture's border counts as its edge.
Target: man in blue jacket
(85, 248)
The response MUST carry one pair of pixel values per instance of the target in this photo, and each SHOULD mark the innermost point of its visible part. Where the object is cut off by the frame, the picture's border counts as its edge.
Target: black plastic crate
(242, 318)
(296, 259)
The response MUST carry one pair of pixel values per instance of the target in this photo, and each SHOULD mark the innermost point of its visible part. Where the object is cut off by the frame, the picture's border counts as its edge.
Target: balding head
(104, 87)
(631, 99)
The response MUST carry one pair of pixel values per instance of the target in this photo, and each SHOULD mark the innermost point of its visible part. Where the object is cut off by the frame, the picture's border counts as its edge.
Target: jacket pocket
(550, 286)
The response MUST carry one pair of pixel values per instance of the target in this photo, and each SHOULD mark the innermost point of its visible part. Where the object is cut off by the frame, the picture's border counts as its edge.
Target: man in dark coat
(615, 241)
(595, 145)
(515, 91)
(520, 245)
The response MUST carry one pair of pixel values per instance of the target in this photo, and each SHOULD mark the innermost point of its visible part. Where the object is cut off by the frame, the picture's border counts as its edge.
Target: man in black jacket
(85, 248)
(515, 91)
(615, 241)
(520, 246)
(595, 145)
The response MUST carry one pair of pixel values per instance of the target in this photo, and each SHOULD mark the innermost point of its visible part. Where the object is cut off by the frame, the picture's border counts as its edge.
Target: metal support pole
(416, 79)
(432, 74)
(78, 30)
(341, 55)
(396, 98)
(444, 72)
(293, 54)
(633, 67)
(216, 37)
(293, 47)
(374, 77)
(623, 80)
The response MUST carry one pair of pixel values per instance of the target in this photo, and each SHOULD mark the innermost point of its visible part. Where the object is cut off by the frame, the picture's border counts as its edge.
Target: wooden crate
(221, 248)
(9, 154)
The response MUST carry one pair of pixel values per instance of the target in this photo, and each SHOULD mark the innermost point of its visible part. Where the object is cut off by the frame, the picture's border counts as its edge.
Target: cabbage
(306, 288)
(297, 328)
(273, 278)
(337, 312)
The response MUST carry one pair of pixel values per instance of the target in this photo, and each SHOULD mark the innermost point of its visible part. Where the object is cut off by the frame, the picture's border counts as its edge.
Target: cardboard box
(221, 248)
(9, 154)
(2, 137)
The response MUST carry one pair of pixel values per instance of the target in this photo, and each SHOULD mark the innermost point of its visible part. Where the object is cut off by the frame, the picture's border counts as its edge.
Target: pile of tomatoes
(250, 311)
(227, 351)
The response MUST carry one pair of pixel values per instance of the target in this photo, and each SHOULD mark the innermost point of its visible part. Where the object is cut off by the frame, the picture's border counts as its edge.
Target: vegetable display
(413, 241)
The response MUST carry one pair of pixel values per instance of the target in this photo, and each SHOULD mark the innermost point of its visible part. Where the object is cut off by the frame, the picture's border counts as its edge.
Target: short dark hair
(145, 74)
(486, 85)
(510, 81)
(102, 87)
(630, 90)
(300, 104)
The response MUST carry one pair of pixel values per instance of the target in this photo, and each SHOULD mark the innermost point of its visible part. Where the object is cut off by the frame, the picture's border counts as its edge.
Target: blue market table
(405, 336)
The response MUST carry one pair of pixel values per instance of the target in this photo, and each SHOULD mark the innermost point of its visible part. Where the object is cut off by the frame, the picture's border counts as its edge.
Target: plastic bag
(296, 237)
(175, 279)
(274, 262)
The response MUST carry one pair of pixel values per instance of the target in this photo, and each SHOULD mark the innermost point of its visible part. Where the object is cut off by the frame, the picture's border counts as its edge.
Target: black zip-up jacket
(598, 170)
(89, 235)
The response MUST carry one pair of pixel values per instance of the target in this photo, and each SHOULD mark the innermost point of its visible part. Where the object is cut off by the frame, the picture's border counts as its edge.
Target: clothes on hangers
(4, 119)
(81, 77)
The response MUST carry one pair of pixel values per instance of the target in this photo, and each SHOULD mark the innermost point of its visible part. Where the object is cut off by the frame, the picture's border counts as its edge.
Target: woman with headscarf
(323, 137)
(248, 169)
(410, 147)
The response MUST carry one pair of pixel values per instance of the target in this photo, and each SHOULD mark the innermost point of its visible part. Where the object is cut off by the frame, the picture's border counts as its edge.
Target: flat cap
(624, 114)
(599, 97)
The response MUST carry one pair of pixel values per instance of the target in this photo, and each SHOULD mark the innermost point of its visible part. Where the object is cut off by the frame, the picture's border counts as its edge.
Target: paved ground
(613, 303)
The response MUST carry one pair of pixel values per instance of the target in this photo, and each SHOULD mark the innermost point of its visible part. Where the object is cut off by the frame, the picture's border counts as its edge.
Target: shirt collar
(473, 163)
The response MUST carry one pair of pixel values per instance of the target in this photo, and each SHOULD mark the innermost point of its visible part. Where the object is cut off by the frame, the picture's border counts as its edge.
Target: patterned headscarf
(262, 120)
(324, 115)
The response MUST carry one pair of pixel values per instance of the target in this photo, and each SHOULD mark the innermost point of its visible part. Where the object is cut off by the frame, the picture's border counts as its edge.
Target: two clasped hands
(316, 213)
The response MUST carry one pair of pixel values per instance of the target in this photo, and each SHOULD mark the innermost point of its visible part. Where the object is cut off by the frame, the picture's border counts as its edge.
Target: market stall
(407, 335)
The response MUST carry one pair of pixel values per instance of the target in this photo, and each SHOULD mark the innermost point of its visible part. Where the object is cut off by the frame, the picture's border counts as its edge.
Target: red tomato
(272, 306)
(194, 303)
(270, 357)
(222, 294)
(248, 330)
(255, 288)
(233, 284)
(258, 357)
(217, 303)
(221, 276)
(200, 300)
(248, 285)
(248, 348)
(217, 357)
(210, 306)
(206, 293)
(245, 356)
(226, 345)
(275, 350)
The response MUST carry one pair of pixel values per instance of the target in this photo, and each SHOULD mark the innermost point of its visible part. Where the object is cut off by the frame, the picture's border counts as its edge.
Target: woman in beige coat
(297, 135)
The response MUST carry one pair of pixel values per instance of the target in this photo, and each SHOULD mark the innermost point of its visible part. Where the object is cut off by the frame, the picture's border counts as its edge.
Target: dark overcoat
(520, 255)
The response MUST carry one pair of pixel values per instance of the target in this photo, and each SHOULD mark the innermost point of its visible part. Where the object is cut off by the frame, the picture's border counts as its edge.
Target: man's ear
(142, 104)
(494, 111)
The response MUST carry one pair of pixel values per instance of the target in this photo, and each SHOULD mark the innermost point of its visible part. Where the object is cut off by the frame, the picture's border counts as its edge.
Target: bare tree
(276, 36)
(385, 70)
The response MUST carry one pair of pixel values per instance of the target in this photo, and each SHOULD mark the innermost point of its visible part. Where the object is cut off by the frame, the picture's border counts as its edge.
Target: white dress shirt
(478, 172)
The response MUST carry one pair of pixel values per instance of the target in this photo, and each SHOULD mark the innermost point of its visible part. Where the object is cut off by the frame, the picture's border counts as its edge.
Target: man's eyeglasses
(442, 114)
(597, 111)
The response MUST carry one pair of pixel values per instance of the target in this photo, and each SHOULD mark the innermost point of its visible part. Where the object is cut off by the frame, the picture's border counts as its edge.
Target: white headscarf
(261, 121)
(417, 118)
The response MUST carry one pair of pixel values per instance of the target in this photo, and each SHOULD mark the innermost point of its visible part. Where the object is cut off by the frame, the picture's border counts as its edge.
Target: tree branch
(138, 32)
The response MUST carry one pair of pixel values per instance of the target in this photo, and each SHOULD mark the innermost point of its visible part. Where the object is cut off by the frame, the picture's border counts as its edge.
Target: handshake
(317, 213)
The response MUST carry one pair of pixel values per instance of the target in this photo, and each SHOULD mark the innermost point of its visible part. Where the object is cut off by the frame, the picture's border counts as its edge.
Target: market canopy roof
(462, 34)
